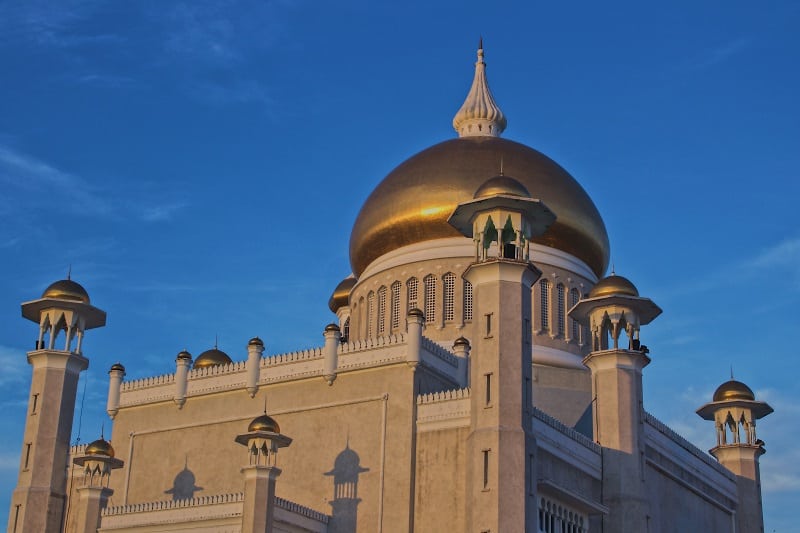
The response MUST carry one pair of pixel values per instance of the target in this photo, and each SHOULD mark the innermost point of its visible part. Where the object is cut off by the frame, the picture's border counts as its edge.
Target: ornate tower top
(479, 115)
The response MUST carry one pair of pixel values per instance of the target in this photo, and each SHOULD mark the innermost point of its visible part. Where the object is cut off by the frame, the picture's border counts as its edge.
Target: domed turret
(66, 289)
(613, 285)
(264, 423)
(100, 447)
(733, 390)
(502, 185)
(341, 294)
(212, 357)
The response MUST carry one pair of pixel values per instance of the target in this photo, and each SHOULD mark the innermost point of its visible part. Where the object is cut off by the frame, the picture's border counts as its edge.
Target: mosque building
(483, 374)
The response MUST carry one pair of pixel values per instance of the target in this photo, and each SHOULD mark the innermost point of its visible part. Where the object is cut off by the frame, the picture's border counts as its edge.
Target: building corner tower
(734, 410)
(614, 312)
(38, 501)
(501, 448)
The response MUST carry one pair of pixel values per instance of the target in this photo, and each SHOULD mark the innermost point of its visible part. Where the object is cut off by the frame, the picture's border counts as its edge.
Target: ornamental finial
(479, 115)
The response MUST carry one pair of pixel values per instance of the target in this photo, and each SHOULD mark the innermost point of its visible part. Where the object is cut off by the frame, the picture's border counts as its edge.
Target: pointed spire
(479, 115)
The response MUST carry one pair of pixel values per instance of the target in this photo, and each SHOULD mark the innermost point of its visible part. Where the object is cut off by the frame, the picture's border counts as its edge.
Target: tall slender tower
(37, 503)
(734, 410)
(614, 312)
(501, 448)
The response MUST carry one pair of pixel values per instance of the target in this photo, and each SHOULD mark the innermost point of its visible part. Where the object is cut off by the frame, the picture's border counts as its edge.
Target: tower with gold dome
(483, 374)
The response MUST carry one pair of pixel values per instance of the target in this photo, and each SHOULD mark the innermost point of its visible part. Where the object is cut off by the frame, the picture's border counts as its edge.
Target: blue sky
(200, 166)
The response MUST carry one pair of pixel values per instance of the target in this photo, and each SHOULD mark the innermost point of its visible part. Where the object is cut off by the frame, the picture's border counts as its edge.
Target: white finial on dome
(479, 115)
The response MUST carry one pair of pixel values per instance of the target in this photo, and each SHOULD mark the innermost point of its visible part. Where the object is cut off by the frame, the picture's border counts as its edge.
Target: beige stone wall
(565, 394)
(441, 480)
(364, 420)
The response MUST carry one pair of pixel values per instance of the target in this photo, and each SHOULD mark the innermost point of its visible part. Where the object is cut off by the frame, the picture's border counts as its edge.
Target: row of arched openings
(554, 304)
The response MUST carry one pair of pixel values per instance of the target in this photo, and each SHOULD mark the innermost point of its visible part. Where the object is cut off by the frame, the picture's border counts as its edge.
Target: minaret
(501, 219)
(479, 115)
(614, 312)
(96, 463)
(734, 410)
(37, 503)
(263, 439)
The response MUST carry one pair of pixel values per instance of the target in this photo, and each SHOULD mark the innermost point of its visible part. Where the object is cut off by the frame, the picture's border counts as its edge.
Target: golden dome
(211, 357)
(412, 204)
(341, 294)
(733, 390)
(613, 285)
(501, 185)
(117, 366)
(100, 447)
(264, 423)
(255, 341)
(66, 289)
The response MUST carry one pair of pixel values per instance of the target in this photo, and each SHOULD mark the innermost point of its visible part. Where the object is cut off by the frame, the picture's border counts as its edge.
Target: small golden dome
(332, 327)
(341, 294)
(416, 312)
(501, 185)
(66, 289)
(733, 390)
(100, 447)
(255, 341)
(613, 285)
(414, 202)
(461, 341)
(264, 423)
(211, 357)
(184, 355)
(118, 366)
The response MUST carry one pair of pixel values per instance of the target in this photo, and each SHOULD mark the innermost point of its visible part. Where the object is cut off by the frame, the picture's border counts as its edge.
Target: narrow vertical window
(561, 303)
(544, 306)
(430, 298)
(381, 310)
(28, 453)
(467, 301)
(412, 286)
(346, 330)
(574, 296)
(370, 313)
(488, 389)
(488, 325)
(449, 288)
(395, 306)
(486, 469)
(531, 470)
(34, 403)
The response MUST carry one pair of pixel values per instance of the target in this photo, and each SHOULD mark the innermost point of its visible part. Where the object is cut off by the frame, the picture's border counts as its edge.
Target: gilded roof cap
(416, 312)
(479, 115)
(255, 341)
(100, 447)
(502, 185)
(66, 289)
(341, 294)
(118, 366)
(461, 341)
(264, 423)
(211, 357)
(613, 285)
(183, 354)
(332, 327)
(733, 390)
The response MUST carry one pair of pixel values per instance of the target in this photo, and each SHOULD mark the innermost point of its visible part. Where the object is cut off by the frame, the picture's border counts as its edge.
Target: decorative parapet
(675, 437)
(374, 342)
(439, 352)
(301, 510)
(166, 505)
(443, 410)
(143, 383)
(565, 430)
(444, 396)
(291, 357)
(77, 449)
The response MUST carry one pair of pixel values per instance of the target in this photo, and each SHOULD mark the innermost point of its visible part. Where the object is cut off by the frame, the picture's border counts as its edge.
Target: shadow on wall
(183, 487)
(346, 469)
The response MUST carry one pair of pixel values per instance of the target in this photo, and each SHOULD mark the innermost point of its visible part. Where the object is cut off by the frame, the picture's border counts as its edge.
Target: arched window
(544, 306)
(430, 298)
(395, 306)
(561, 302)
(346, 330)
(467, 300)
(574, 297)
(381, 310)
(412, 286)
(449, 288)
(370, 313)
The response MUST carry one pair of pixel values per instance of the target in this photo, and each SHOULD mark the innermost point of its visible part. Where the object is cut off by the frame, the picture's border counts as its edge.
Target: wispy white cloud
(157, 213)
(15, 366)
(720, 53)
